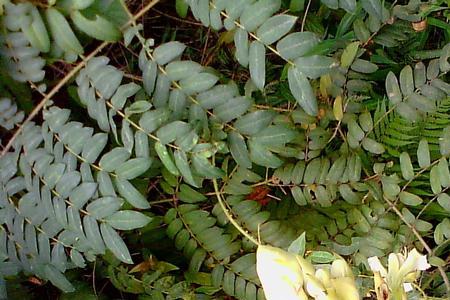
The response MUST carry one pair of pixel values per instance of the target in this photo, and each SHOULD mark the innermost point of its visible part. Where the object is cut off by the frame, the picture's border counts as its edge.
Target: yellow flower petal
(279, 273)
(345, 288)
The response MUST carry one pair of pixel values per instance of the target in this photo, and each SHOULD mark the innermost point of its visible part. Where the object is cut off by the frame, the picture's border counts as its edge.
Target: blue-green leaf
(127, 220)
(99, 28)
(232, 109)
(257, 13)
(239, 149)
(133, 167)
(260, 155)
(115, 243)
(275, 28)
(241, 43)
(104, 206)
(131, 194)
(257, 64)
(302, 91)
(297, 44)
(315, 66)
(254, 122)
(167, 52)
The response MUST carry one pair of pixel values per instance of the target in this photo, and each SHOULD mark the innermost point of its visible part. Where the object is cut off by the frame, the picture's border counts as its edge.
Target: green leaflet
(133, 167)
(252, 123)
(168, 52)
(296, 44)
(188, 141)
(114, 158)
(36, 32)
(115, 243)
(183, 166)
(348, 5)
(257, 64)
(407, 81)
(232, 109)
(204, 168)
(81, 4)
(423, 154)
(178, 70)
(421, 103)
(275, 28)
(444, 201)
(420, 76)
(260, 155)
(393, 89)
(152, 120)
(406, 166)
(170, 132)
(197, 83)
(444, 141)
(444, 65)
(137, 107)
(366, 121)
(374, 8)
(297, 5)
(302, 91)
(275, 135)
(94, 146)
(181, 8)
(67, 183)
(315, 66)
(149, 75)
(53, 174)
(349, 195)
(217, 95)
(298, 246)
(257, 13)
(372, 146)
(58, 279)
(410, 199)
(92, 230)
(61, 32)
(407, 111)
(189, 195)
(242, 49)
(122, 93)
(333, 4)
(166, 158)
(203, 11)
(363, 66)
(355, 130)
(444, 172)
(103, 207)
(239, 149)
(349, 54)
(321, 257)
(99, 28)
(127, 220)
(131, 194)
(312, 171)
(435, 182)
(361, 30)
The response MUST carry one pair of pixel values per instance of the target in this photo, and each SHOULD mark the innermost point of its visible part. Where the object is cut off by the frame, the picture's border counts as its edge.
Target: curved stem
(230, 217)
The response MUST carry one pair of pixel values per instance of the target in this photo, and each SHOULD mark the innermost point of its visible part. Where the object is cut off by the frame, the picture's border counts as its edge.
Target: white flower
(376, 266)
(400, 269)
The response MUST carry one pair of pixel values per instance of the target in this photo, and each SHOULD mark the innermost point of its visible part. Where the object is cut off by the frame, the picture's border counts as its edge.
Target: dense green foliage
(157, 175)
